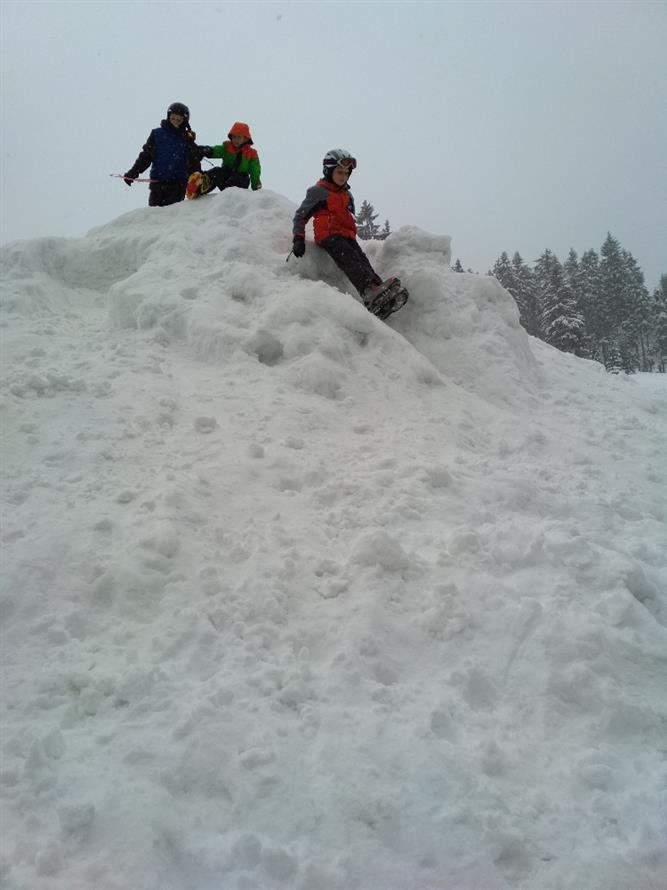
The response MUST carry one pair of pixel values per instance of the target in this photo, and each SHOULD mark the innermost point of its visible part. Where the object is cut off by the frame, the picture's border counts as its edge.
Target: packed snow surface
(295, 599)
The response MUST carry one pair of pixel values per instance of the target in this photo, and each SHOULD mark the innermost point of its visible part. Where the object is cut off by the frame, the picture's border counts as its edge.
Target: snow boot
(193, 188)
(386, 298)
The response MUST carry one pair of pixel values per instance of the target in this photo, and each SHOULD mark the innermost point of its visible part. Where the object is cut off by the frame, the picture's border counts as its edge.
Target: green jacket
(248, 163)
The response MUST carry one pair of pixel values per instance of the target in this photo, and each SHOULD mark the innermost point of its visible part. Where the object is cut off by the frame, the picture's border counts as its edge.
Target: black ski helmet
(334, 158)
(179, 108)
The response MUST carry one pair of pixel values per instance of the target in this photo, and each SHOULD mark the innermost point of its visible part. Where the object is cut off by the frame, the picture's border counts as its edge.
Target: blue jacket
(171, 153)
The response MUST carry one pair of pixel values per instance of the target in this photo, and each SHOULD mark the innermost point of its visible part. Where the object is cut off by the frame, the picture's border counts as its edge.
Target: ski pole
(289, 255)
(132, 178)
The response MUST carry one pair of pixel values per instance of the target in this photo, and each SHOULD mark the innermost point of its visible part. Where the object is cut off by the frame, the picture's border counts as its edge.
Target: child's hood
(240, 129)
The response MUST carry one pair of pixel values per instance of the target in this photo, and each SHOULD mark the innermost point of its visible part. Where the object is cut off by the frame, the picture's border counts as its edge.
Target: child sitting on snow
(240, 164)
(331, 205)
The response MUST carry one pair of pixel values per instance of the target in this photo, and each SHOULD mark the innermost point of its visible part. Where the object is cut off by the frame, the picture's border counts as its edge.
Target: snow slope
(298, 600)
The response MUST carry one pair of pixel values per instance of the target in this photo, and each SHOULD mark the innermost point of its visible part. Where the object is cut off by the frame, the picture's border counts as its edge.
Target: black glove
(299, 246)
(129, 176)
(205, 151)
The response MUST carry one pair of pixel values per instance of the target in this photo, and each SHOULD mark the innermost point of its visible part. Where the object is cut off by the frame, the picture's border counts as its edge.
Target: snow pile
(298, 599)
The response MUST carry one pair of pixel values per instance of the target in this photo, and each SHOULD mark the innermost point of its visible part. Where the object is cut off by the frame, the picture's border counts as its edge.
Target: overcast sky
(509, 126)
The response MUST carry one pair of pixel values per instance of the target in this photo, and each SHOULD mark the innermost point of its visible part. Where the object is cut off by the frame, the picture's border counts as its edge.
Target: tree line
(596, 306)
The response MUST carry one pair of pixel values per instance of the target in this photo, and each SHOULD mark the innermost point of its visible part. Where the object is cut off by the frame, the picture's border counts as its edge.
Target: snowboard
(390, 297)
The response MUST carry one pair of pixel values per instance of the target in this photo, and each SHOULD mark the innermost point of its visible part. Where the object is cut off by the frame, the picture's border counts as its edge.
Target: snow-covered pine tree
(612, 308)
(527, 297)
(636, 324)
(589, 301)
(502, 270)
(575, 279)
(367, 228)
(386, 231)
(517, 278)
(613, 360)
(457, 267)
(658, 349)
(562, 323)
(572, 272)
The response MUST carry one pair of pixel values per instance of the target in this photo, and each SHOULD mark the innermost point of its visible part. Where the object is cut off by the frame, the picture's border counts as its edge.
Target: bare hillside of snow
(295, 599)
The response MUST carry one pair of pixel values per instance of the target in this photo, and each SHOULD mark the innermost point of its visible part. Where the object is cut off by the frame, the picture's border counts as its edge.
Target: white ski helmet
(337, 157)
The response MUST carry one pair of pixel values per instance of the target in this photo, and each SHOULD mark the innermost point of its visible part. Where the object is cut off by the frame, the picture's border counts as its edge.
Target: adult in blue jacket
(171, 153)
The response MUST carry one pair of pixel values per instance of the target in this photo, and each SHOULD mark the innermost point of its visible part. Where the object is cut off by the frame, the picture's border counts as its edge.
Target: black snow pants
(348, 256)
(223, 178)
(160, 194)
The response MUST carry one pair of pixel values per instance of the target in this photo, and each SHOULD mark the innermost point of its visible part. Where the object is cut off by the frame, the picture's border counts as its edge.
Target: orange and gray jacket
(242, 160)
(332, 209)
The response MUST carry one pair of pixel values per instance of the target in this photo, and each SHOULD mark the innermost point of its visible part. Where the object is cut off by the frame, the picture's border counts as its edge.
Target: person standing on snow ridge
(331, 205)
(172, 155)
(240, 164)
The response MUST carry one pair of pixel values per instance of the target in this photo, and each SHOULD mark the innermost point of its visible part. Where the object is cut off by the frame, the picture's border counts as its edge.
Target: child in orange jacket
(330, 204)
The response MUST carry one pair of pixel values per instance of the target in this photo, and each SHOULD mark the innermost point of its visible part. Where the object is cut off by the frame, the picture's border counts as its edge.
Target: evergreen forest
(596, 306)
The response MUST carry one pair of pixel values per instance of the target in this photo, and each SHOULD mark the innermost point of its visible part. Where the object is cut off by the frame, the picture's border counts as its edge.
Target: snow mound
(213, 273)
(293, 598)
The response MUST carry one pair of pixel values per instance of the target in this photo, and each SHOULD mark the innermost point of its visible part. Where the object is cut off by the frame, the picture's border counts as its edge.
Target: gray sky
(509, 126)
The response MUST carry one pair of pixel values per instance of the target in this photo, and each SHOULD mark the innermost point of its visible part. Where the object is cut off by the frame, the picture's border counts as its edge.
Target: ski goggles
(348, 164)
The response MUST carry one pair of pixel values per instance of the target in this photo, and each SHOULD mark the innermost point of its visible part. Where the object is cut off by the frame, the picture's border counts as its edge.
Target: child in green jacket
(240, 164)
